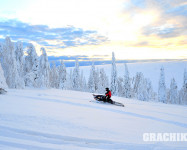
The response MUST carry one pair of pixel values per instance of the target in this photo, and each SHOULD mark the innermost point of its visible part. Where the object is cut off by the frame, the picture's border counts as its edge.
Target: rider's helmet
(107, 89)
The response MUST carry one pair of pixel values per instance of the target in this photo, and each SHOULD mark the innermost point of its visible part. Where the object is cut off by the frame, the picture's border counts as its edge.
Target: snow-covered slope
(151, 70)
(53, 119)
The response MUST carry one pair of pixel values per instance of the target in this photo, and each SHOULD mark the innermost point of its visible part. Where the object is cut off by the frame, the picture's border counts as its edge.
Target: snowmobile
(102, 98)
(2, 91)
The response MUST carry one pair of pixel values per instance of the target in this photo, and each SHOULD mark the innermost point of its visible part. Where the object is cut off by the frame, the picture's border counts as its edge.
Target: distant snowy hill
(174, 69)
(51, 119)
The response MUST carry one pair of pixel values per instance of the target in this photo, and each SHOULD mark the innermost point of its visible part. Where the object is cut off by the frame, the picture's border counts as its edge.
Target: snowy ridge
(60, 119)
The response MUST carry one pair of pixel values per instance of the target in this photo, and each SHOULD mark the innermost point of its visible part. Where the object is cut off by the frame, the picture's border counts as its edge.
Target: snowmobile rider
(108, 95)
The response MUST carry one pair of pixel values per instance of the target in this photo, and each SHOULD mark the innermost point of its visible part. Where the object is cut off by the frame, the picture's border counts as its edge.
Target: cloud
(83, 60)
(166, 31)
(171, 21)
(176, 10)
(141, 44)
(80, 57)
(158, 23)
(50, 37)
(68, 58)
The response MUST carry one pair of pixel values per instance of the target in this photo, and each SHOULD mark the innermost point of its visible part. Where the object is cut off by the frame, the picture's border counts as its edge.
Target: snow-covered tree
(96, 79)
(114, 79)
(162, 87)
(142, 89)
(54, 76)
(32, 67)
(127, 85)
(120, 86)
(173, 93)
(76, 76)
(150, 92)
(91, 80)
(20, 63)
(44, 69)
(185, 79)
(142, 93)
(84, 85)
(2, 79)
(103, 81)
(62, 75)
(136, 82)
(1, 50)
(183, 91)
(69, 80)
(9, 65)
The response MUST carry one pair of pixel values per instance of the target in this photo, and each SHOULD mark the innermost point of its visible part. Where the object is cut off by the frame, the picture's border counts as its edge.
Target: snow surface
(151, 70)
(53, 119)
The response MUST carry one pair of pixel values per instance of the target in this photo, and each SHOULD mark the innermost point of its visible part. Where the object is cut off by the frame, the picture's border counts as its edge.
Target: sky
(93, 29)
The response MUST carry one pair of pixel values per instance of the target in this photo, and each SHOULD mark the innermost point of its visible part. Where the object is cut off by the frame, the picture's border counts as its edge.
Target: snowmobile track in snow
(45, 141)
(108, 109)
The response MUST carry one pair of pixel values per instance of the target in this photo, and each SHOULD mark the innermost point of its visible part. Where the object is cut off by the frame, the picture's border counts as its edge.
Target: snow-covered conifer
(150, 92)
(8, 62)
(185, 79)
(142, 93)
(91, 80)
(103, 81)
(20, 63)
(142, 89)
(31, 67)
(1, 50)
(76, 76)
(127, 85)
(114, 79)
(84, 85)
(81, 81)
(120, 86)
(2, 79)
(69, 81)
(173, 93)
(96, 79)
(54, 76)
(62, 75)
(136, 82)
(183, 91)
(162, 87)
(44, 69)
